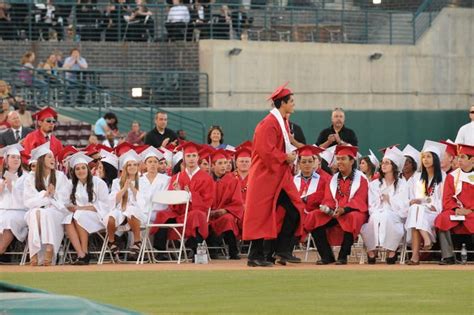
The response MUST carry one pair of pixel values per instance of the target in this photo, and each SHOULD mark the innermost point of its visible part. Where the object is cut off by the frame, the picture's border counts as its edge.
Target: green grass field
(267, 291)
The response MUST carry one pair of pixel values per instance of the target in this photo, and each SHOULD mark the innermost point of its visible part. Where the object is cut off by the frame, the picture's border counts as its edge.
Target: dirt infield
(226, 265)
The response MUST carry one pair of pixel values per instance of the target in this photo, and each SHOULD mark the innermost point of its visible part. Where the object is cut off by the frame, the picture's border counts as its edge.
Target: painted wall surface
(436, 73)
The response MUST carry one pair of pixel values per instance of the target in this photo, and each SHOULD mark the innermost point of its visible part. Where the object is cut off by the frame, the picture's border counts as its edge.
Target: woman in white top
(89, 204)
(427, 190)
(388, 207)
(151, 182)
(124, 204)
(45, 196)
(12, 209)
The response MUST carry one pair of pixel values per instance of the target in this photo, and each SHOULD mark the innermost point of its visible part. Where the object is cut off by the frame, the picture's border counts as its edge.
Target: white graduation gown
(385, 227)
(421, 217)
(51, 210)
(91, 221)
(119, 214)
(148, 190)
(12, 209)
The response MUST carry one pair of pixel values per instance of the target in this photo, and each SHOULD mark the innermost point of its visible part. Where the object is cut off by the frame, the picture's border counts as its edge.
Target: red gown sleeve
(267, 146)
(449, 202)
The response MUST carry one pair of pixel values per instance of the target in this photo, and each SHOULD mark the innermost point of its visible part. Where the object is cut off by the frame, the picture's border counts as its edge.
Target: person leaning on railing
(177, 20)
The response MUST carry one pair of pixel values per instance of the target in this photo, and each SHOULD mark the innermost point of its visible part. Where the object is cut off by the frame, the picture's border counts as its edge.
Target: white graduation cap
(413, 153)
(373, 158)
(168, 155)
(432, 146)
(229, 148)
(396, 156)
(151, 152)
(39, 151)
(178, 156)
(109, 157)
(12, 149)
(79, 158)
(127, 157)
(328, 154)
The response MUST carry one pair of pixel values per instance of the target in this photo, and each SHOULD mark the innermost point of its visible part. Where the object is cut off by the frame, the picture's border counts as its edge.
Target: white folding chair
(67, 253)
(166, 197)
(224, 248)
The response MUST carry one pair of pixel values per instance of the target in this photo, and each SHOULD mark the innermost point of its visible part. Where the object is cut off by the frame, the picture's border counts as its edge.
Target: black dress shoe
(82, 261)
(341, 261)
(391, 260)
(447, 261)
(371, 260)
(324, 262)
(284, 258)
(259, 263)
(234, 257)
(162, 257)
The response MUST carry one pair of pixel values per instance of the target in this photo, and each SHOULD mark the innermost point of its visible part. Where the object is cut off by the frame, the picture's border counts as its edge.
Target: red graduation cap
(346, 150)
(243, 152)
(189, 147)
(45, 113)
(309, 150)
(205, 153)
(466, 149)
(25, 157)
(100, 146)
(280, 92)
(171, 146)
(246, 144)
(451, 148)
(66, 151)
(140, 148)
(218, 155)
(91, 149)
(389, 147)
(123, 148)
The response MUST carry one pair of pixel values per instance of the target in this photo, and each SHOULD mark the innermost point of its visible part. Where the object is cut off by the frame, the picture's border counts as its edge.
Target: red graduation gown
(269, 174)
(349, 222)
(243, 185)
(325, 175)
(201, 187)
(36, 138)
(466, 197)
(227, 195)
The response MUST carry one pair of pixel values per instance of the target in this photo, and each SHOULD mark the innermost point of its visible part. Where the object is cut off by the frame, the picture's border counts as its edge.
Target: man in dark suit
(16, 132)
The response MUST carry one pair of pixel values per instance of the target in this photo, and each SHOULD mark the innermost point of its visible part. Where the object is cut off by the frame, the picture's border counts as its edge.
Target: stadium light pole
(232, 52)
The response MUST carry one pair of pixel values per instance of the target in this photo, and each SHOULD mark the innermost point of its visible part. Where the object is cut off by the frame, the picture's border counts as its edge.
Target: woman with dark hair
(88, 206)
(215, 137)
(107, 168)
(410, 167)
(12, 209)
(124, 203)
(367, 167)
(427, 190)
(46, 196)
(388, 206)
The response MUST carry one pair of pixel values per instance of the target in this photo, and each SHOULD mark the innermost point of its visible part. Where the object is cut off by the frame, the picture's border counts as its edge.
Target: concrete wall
(437, 73)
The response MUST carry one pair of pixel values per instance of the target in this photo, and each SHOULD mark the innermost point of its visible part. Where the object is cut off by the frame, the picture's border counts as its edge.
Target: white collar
(193, 172)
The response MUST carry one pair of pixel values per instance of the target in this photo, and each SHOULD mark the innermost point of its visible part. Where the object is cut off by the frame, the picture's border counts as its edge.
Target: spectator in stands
(102, 125)
(135, 136)
(74, 62)
(143, 28)
(337, 133)
(7, 30)
(215, 137)
(181, 134)
(161, 136)
(51, 64)
(466, 133)
(16, 132)
(59, 58)
(27, 61)
(111, 140)
(222, 24)
(177, 20)
(93, 140)
(4, 89)
(4, 125)
(240, 21)
(25, 115)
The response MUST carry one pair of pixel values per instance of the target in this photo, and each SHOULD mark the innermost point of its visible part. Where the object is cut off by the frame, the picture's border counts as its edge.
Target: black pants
(159, 242)
(283, 244)
(322, 244)
(216, 241)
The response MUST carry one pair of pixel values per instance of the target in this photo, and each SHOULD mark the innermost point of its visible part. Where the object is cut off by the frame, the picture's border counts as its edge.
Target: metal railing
(319, 21)
(82, 94)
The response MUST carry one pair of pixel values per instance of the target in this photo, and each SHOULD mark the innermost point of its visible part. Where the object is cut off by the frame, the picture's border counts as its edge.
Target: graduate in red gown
(243, 161)
(201, 187)
(46, 118)
(343, 210)
(227, 208)
(270, 184)
(458, 199)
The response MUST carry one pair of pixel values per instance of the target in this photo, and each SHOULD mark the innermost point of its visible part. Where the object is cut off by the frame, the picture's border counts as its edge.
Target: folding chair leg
(25, 254)
(308, 245)
(103, 249)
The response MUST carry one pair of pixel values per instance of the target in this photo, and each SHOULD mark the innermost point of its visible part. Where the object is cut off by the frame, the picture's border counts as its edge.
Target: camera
(327, 210)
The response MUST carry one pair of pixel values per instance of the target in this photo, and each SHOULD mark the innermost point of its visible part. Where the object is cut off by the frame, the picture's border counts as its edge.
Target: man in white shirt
(178, 13)
(466, 132)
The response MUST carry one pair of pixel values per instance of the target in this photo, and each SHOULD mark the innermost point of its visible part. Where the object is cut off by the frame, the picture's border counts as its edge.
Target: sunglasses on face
(471, 112)
(50, 121)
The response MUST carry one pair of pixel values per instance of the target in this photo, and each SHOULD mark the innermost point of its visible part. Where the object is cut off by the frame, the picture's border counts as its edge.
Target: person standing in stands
(46, 119)
(337, 133)
(466, 133)
(161, 136)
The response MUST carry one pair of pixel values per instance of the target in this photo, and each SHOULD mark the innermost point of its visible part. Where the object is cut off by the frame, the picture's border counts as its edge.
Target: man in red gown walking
(270, 184)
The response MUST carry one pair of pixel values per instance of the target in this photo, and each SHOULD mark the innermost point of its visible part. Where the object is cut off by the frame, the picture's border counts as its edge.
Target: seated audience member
(25, 115)
(135, 136)
(16, 132)
(343, 210)
(215, 137)
(201, 187)
(458, 200)
(177, 20)
(227, 208)
(388, 208)
(338, 133)
(427, 200)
